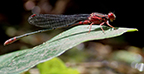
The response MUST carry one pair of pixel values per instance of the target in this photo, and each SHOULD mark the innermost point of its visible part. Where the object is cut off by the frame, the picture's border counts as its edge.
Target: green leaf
(131, 30)
(55, 66)
(20, 61)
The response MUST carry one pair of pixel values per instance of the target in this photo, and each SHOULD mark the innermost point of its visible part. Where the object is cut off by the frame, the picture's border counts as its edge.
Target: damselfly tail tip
(6, 42)
(9, 41)
(33, 15)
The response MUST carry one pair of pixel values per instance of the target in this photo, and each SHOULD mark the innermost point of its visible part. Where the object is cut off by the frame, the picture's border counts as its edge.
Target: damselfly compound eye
(111, 16)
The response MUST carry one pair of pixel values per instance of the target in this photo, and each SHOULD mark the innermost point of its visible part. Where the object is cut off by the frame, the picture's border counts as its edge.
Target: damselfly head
(111, 16)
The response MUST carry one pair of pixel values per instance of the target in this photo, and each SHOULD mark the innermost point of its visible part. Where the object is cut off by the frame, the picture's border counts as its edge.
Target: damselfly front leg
(110, 25)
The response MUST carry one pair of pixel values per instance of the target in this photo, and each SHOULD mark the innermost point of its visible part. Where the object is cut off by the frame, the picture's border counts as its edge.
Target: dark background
(13, 22)
(15, 13)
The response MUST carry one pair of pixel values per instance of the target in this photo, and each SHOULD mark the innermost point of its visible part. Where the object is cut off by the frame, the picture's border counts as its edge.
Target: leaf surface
(20, 61)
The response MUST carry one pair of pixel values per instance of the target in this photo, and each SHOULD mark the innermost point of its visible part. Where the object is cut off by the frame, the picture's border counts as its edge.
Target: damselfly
(51, 21)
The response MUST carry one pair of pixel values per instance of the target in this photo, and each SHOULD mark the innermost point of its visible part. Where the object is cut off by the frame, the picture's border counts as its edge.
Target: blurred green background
(123, 54)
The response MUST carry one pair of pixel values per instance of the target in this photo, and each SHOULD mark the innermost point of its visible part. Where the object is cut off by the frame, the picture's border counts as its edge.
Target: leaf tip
(132, 30)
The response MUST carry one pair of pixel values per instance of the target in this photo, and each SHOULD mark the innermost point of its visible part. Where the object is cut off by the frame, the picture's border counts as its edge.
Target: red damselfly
(51, 21)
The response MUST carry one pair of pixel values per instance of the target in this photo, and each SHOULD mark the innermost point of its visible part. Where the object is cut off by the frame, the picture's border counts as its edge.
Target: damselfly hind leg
(90, 26)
